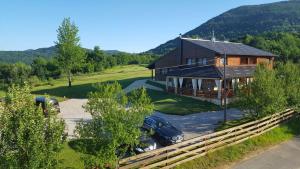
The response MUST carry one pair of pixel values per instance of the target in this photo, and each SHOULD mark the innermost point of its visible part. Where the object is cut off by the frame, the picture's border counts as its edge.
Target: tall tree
(70, 53)
(28, 139)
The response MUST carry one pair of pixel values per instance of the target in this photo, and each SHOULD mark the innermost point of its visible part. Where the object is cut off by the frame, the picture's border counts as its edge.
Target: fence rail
(173, 155)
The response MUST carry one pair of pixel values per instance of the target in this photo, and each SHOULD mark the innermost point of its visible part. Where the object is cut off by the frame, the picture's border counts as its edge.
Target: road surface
(284, 156)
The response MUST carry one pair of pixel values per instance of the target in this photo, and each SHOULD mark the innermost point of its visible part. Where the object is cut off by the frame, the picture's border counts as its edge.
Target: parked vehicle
(45, 102)
(146, 144)
(164, 132)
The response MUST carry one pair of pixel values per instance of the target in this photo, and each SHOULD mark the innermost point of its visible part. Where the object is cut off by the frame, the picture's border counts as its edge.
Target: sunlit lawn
(83, 84)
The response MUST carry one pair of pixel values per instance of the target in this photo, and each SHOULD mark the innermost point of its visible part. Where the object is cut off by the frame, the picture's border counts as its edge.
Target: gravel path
(72, 112)
(139, 84)
(198, 124)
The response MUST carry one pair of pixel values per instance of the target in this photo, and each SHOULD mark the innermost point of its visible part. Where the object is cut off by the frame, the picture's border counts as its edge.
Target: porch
(205, 89)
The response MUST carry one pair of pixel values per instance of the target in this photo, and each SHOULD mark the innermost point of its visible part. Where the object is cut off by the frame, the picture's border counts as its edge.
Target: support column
(180, 84)
(175, 80)
(219, 85)
(194, 83)
(167, 83)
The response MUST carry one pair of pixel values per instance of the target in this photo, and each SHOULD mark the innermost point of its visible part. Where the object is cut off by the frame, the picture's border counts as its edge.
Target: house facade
(196, 68)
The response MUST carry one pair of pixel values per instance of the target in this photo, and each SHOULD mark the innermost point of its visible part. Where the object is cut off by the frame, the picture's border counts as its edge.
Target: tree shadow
(79, 91)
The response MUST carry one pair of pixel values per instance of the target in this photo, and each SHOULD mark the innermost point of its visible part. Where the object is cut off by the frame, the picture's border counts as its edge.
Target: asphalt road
(284, 156)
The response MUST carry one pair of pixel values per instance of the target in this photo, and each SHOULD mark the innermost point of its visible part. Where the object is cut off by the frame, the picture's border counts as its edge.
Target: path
(194, 125)
(72, 112)
(284, 156)
(139, 84)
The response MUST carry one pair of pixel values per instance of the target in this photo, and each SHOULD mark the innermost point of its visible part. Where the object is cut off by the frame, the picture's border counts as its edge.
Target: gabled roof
(214, 72)
(229, 47)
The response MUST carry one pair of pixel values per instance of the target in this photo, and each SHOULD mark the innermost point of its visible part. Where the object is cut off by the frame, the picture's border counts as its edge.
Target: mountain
(281, 16)
(27, 56)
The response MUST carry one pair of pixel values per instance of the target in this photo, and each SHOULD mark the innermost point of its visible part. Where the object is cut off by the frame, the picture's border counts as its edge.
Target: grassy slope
(82, 84)
(237, 152)
(173, 104)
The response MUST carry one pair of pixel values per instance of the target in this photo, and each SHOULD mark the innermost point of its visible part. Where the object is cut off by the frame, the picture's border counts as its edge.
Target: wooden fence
(173, 155)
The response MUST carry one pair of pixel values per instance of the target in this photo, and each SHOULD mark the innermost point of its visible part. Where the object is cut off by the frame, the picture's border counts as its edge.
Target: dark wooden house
(196, 67)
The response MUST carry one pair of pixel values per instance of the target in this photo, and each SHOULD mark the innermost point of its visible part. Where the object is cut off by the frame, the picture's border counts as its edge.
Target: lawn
(231, 154)
(179, 105)
(83, 84)
(69, 158)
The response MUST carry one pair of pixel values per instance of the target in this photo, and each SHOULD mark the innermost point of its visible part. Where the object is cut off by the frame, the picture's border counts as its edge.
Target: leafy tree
(264, 95)
(28, 140)
(70, 54)
(289, 74)
(39, 67)
(116, 122)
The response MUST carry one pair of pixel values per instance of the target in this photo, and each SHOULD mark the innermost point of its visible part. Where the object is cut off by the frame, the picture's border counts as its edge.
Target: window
(252, 60)
(244, 61)
(193, 61)
(204, 61)
(199, 61)
(188, 61)
(222, 61)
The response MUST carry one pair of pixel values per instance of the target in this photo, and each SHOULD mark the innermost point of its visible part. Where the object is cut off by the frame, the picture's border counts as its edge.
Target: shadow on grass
(79, 91)
(86, 146)
(179, 105)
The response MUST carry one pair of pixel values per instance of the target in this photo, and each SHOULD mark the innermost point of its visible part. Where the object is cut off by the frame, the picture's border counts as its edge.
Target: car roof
(40, 99)
(43, 99)
(156, 118)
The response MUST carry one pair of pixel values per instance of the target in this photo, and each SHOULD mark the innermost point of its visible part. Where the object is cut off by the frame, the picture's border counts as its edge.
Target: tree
(39, 67)
(70, 54)
(264, 96)
(115, 124)
(28, 140)
(289, 74)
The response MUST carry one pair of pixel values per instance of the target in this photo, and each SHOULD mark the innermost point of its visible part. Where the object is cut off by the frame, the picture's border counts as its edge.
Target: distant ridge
(27, 56)
(281, 16)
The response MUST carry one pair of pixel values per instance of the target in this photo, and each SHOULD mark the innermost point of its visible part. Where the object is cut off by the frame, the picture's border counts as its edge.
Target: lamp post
(225, 88)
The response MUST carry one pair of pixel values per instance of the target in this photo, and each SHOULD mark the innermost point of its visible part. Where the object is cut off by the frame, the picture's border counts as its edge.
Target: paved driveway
(72, 112)
(198, 124)
(284, 156)
(192, 125)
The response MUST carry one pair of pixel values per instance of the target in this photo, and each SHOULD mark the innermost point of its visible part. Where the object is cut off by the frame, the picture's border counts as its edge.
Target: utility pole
(225, 88)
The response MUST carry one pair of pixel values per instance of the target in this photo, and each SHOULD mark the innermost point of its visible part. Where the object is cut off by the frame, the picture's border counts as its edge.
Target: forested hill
(281, 16)
(27, 56)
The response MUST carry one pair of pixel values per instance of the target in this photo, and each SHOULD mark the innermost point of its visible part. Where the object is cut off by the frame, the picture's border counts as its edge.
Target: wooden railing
(173, 155)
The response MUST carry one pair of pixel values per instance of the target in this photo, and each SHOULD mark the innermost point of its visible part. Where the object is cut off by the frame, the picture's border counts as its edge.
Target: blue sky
(126, 25)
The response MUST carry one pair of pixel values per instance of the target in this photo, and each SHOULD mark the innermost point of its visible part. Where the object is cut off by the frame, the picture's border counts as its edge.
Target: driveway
(284, 156)
(72, 112)
(192, 125)
(198, 124)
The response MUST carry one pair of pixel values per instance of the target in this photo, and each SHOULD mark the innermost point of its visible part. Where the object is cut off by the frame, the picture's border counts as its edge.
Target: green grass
(83, 84)
(70, 159)
(231, 154)
(179, 105)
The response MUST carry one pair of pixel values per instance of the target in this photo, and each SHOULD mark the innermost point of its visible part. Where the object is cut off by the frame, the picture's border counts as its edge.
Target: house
(196, 68)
